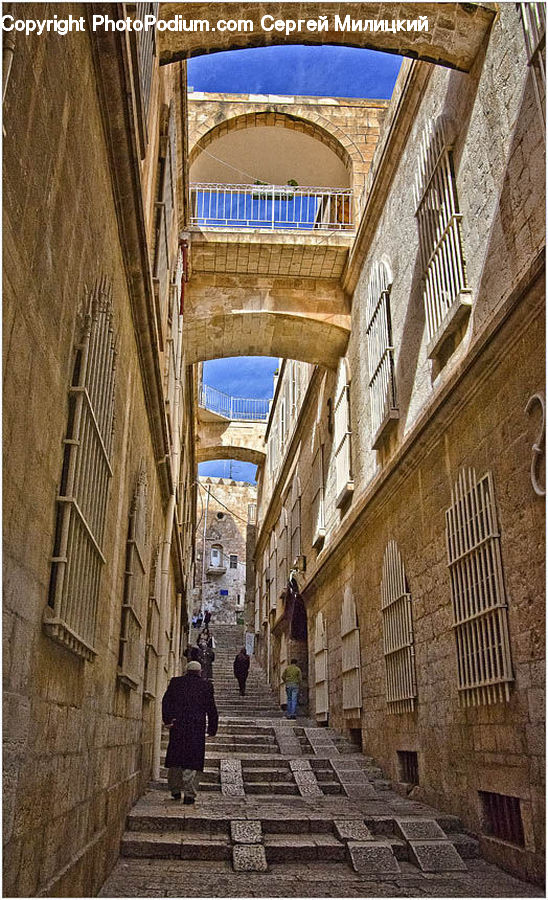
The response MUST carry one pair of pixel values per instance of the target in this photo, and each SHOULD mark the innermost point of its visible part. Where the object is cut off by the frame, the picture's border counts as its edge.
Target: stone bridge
(455, 33)
(242, 441)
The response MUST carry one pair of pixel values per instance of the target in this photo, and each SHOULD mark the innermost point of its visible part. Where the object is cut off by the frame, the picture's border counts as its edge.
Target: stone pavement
(290, 809)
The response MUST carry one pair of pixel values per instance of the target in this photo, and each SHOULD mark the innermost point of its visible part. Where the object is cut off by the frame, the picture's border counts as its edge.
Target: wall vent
(502, 817)
(408, 762)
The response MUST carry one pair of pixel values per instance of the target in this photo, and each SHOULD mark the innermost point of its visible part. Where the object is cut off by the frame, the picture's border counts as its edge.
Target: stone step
(301, 847)
(175, 845)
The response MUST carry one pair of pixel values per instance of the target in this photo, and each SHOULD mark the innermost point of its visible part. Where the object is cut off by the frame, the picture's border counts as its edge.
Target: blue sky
(323, 71)
(292, 69)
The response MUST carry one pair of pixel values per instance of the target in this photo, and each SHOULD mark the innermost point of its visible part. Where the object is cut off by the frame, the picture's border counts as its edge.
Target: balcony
(272, 207)
(239, 409)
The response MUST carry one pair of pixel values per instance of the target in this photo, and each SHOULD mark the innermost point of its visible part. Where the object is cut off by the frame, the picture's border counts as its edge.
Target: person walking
(187, 703)
(207, 617)
(292, 677)
(241, 669)
(207, 655)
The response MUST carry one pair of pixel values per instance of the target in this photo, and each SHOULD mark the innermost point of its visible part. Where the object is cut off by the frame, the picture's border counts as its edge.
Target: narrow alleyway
(292, 809)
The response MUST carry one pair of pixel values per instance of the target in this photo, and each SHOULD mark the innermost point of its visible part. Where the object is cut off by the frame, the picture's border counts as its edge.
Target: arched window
(130, 650)
(284, 662)
(480, 610)
(380, 351)
(78, 558)
(446, 293)
(351, 658)
(397, 626)
(283, 569)
(318, 476)
(343, 450)
(295, 518)
(321, 669)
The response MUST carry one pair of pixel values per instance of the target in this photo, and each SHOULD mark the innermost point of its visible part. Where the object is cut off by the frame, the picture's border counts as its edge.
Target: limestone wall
(463, 409)
(225, 527)
(77, 742)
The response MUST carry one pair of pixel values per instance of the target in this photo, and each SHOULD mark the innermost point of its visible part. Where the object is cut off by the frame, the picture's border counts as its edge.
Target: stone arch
(265, 333)
(470, 21)
(221, 451)
(314, 125)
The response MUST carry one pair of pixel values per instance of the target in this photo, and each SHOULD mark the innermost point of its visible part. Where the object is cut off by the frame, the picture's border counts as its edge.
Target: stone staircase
(279, 793)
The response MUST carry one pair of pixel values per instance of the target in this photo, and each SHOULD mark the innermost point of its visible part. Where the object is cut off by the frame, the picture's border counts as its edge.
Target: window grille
(382, 384)
(446, 293)
(273, 566)
(397, 626)
(283, 536)
(502, 817)
(295, 518)
(143, 46)
(351, 658)
(130, 645)
(284, 662)
(264, 590)
(152, 649)
(318, 505)
(257, 624)
(343, 460)
(167, 175)
(233, 561)
(78, 558)
(282, 426)
(409, 766)
(216, 556)
(533, 20)
(480, 612)
(321, 669)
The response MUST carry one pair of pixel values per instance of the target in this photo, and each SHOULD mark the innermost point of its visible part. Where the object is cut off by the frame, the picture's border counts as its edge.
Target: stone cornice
(111, 59)
(399, 467)
(385, 163)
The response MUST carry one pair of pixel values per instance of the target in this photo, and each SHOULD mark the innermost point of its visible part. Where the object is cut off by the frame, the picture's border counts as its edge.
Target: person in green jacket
(292, 677)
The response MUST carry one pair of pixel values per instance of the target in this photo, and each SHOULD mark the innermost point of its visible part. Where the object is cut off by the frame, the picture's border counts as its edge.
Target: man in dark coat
(186, 704)
(241, 669)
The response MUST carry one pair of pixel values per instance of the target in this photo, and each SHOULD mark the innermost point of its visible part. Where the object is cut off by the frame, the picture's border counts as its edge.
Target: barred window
(380, 351)
(321, 669)
(283, 537)
(295, 518)
(167, 178)
(446, 294)
(284, 662)
(343, 455)
(397, 626)
(282, 426)
(152, 647)
(272, 571)
(130, 651)
(533, 20)
(78, 558)
(143, 50)
(257, 621)
(318, 502)
(351, 658)
(233, 561)
(480, 611)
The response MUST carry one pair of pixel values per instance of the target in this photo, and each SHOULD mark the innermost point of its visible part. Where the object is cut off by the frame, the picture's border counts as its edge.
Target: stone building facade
(401, 489)
(427, 649)
(99, 502)
(221, 548)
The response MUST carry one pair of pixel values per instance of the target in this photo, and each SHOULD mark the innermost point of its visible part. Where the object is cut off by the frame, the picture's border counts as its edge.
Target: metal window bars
(143, 50)
(439, 223)
(242, 409)
(78, 558)
(397, 628)
(152, 648)
(343, 460)
(130, 652)
(380, 350)
(321, 674)
(318, 498)
(270, 206)
(351, 658)
(480, 612)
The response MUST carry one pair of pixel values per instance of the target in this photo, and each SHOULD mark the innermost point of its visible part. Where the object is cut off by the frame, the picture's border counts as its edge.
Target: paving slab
(352, 830)
(249, 858)
(246, 831)
(420, 830)
(436, 856)
(375, 858)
